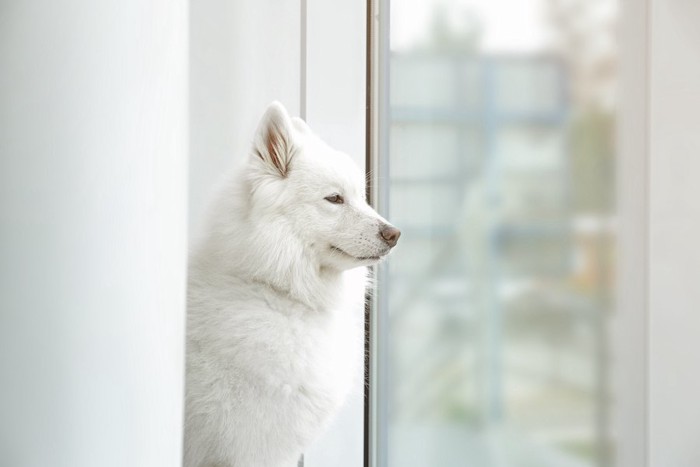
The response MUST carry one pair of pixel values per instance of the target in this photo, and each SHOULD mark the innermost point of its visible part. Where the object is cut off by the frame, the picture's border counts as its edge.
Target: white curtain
(93, 204)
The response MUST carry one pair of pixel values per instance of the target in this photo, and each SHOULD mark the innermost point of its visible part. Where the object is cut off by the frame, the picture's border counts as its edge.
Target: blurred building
(496, 290)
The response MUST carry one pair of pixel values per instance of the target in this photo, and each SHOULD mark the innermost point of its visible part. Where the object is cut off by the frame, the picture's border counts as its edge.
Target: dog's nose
(390, 234)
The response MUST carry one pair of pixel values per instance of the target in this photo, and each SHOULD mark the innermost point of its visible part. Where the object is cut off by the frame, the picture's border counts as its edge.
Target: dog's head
(302, 187)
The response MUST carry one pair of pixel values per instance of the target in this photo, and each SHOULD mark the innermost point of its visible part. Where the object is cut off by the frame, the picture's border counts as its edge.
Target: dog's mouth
(358, 258)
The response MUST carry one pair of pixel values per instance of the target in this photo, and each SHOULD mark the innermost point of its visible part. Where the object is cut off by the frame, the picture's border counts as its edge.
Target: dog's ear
(274, 143)
(300, 125)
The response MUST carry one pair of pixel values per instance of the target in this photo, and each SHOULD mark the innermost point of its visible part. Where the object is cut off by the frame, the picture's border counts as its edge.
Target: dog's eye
(335, 199)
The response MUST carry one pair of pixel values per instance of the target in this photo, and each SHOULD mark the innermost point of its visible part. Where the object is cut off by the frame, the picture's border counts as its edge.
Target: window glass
(500, 132)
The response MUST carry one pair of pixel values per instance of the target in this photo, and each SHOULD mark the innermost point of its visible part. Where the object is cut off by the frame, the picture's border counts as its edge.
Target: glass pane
(500, 132)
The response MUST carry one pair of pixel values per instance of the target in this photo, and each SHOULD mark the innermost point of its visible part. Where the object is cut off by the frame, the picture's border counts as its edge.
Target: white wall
(243, 55)
(674, 232)
(93, 141)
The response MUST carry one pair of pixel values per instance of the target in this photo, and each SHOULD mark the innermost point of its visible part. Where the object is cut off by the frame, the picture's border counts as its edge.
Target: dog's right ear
(274, 144)
(300, 125)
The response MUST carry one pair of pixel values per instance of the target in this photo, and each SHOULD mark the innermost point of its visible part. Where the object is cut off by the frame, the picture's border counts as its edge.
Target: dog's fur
(275, 301)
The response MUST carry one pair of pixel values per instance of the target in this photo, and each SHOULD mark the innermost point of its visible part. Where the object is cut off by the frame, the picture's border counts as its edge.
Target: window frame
(629, 329)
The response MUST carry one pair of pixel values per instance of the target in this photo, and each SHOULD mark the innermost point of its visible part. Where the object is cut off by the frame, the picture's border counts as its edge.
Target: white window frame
(630, 326)
(657, 380)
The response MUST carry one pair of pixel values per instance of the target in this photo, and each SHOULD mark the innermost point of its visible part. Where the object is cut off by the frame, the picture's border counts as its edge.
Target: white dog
(275, 305)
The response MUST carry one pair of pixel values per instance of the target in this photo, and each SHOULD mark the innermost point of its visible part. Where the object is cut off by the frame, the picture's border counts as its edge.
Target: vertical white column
(674, 232)
(93, 145)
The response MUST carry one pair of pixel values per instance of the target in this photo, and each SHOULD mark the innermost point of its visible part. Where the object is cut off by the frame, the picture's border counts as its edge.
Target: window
(496, 158)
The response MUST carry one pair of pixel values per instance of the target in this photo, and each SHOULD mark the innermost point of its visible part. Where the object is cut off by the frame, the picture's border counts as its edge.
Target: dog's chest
(322, 357)
(267, 368)
(308, 364)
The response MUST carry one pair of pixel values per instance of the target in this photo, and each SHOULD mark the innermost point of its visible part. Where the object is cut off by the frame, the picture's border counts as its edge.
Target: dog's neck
(318, 293)
(290, 269)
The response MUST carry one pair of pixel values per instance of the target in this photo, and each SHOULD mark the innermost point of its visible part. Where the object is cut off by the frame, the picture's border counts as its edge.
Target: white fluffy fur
(275, 309)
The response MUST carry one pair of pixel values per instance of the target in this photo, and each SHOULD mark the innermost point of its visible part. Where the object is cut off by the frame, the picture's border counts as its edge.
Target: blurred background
(500, 172)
